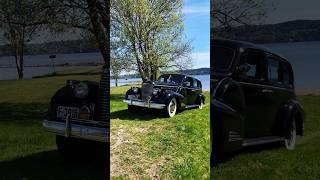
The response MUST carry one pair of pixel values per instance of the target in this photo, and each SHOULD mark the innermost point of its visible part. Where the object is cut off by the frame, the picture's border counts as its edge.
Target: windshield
(171, 78)
(222, 58)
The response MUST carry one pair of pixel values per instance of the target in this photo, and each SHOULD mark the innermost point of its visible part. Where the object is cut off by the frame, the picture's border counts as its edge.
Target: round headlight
(81, 90)
(155, 92)
(135, 90)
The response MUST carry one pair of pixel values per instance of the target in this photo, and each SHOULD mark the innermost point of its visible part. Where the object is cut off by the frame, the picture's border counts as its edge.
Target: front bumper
(144, 104)
(69, 129)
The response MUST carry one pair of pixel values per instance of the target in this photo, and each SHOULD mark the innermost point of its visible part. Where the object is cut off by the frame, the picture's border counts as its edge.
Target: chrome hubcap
(172, 108)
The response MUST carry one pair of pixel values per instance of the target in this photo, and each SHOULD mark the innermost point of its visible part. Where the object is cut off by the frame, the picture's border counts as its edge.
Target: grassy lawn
(278, 163)
(145, 145)
(27, 151)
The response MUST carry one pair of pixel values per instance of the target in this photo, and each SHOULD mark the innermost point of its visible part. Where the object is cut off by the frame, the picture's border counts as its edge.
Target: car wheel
(201, 104)
(290, 140)
(171, 108)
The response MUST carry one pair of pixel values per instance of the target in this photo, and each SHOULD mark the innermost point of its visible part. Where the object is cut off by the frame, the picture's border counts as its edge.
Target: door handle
(267, 91)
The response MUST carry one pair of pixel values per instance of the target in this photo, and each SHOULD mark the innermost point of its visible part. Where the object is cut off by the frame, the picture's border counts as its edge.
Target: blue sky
(197, 29)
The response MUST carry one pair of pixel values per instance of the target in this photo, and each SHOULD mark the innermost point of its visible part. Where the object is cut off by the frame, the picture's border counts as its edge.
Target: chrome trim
(144, 104)
(262, 140)
(78, 131)
(192, 106)
(267, 86)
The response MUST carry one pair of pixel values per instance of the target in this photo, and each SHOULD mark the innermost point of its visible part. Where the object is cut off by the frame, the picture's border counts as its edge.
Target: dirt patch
(129, 156)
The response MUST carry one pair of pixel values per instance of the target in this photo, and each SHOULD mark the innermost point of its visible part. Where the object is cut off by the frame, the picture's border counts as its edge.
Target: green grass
(146, 145)
(27, 151)
(279, 163)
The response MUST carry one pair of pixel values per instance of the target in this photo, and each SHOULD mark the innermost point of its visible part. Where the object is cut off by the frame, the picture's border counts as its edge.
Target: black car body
(170, 93)
(252, 98)
(79, 111)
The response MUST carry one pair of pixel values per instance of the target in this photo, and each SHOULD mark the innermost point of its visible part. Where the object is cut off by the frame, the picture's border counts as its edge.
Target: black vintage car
(78, 113)
(252, 98)
(170, 93)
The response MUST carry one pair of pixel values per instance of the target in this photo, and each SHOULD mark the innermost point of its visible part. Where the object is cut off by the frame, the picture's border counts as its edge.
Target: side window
(199, 84)
(252, 65)
(195, 84)
(189, 82)
(273, 69)
(286, 75)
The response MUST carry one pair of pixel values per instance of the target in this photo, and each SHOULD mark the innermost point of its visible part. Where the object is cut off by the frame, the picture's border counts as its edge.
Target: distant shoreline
(59, 65)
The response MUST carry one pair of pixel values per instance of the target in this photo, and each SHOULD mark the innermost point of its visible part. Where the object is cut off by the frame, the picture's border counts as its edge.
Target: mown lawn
(278, 163)
(146, 145)
(27, 151)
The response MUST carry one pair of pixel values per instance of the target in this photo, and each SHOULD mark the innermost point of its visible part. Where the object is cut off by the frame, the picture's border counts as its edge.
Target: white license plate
(65, 112)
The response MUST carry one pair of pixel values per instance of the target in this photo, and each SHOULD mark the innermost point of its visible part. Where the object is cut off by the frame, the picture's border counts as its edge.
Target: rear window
(222, 57)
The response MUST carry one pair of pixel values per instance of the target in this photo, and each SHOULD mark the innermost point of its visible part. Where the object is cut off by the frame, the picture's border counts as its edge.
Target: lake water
(304, 57)
(305, 60)
(29, 72)
(205, 80)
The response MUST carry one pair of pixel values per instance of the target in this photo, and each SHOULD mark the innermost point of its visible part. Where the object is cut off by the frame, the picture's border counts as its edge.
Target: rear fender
(293, 109)
(199, 98)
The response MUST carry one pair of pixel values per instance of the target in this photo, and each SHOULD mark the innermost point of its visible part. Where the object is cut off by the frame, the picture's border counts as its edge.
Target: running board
(262, 140)
(192, 106)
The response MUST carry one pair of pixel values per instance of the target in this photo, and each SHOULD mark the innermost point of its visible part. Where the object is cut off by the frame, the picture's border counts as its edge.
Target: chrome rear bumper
(78, 131)
(144, 104)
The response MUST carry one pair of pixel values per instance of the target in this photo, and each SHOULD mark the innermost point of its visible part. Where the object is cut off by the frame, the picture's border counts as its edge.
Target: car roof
(180, 74)
(245, 45)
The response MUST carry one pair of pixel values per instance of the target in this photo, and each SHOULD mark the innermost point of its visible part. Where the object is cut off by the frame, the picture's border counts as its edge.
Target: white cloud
(203, 9)
(201, 59)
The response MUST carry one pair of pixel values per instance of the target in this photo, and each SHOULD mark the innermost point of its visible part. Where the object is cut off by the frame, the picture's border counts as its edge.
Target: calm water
(304, 57)
(305, 60)
(11, 73)
(205, 79)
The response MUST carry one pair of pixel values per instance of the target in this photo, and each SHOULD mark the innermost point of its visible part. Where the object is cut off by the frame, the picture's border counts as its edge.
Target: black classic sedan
(172, 92)
(252, 98)
(78, 114)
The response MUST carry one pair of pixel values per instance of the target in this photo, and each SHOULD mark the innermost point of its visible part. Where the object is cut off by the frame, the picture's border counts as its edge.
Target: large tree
(20, 21)
(227, 14)
(149, 34)
(92, 16)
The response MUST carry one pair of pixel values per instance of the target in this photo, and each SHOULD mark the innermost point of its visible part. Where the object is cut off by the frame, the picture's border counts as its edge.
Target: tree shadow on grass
(253, 150)
(23, 111)
(51, 165)
(142, 114)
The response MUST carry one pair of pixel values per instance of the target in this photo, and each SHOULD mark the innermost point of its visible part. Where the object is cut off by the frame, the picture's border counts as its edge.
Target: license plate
(64, 112)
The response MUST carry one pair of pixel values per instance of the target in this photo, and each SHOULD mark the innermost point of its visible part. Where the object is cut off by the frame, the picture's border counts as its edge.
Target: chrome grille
(146, 91)
(105, 94)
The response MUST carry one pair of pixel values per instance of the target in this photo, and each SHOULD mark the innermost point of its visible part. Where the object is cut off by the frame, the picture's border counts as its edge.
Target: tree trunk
(116, 81)
(18, 55)
(101, 34)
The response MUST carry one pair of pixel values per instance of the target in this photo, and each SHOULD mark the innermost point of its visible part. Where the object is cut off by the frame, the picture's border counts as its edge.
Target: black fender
(289, 110)
(172, 94)
(227, 115)
(199, 98)
(130, 92)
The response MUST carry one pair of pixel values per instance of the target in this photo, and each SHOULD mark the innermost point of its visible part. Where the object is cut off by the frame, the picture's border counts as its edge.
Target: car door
(280, 78)
(257, 94)
(191, 91)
